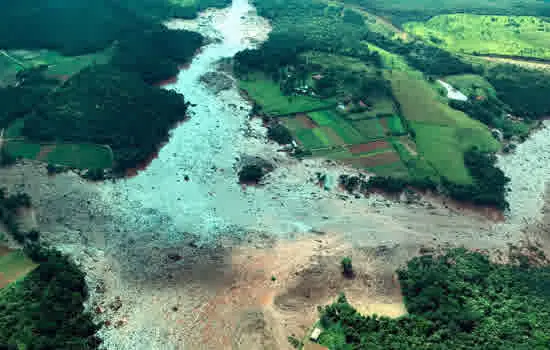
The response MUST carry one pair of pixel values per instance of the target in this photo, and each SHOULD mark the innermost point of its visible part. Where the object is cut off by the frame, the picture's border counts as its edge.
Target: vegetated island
(70, 72)
(354, 89)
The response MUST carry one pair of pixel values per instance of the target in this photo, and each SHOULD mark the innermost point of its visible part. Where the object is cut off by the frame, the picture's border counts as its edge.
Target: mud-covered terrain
(181, 256)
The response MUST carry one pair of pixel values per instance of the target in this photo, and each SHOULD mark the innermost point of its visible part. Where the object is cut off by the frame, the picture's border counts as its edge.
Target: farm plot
(79, 156)
(341, 127)
(393, 125)
(371, 160)
(371, 129)
(13, 266)
(444, 147)
(267, 94)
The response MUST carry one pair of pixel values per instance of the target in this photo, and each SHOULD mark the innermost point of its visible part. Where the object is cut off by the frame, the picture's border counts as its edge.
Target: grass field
(341, 127)
(268, 96)
(471, 85)
(369, 128)
(420, 102)
(13, 266)
(442, 134)
(59, 66)
(524, 36)
(79, 156)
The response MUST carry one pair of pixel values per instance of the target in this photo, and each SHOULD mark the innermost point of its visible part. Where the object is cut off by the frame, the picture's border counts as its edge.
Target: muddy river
(147, 240)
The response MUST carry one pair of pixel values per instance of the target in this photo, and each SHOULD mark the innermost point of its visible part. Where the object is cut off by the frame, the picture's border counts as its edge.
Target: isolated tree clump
(280, 134)
(251, 174)
(347, 267)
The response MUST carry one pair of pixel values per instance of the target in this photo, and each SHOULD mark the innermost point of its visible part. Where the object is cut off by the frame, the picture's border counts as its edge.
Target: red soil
(170, 81)
(368, 147)
(44, 151)
(384, 123)
(306, 121)
(376, 160)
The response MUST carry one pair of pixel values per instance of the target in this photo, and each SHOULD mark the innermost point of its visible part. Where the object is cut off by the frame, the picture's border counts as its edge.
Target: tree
(347, 267)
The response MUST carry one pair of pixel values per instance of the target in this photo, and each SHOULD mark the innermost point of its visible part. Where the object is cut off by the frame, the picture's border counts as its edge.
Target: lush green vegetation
(45, 310)
(268, 96)
(487, 184)
(105, 106)
(9, 206)
(442, 134)
(524, 36)
(13, 266)
(459, 300)
(401, 11)
(525, 91)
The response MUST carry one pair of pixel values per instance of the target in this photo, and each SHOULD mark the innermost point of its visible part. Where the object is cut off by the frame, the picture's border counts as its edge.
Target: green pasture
(267, 94)
(79, 156)
(397, 169)
(58, 65)
(420, 103)
(370, 129)
(443, 148)
(395, 125)
(341, 127)
(471, 84)
(13, 266)
(338, 62)
(525, 36)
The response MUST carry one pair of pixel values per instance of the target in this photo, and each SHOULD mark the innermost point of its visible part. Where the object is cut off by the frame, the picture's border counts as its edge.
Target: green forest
(45, 310)
(456, 300)
(130, 50)
(103, 105)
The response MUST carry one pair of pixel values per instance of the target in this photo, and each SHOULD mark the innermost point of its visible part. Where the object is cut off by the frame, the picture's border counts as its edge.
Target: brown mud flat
(275, 292)
(368, 147)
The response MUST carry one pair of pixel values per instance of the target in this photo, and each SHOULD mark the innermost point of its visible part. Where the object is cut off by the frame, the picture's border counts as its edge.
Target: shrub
(347, 267)
(251, 174)
(280, 134)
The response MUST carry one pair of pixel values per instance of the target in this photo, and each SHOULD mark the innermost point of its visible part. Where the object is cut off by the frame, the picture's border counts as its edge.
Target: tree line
(456, 300)
(44, 310)
(104, 105)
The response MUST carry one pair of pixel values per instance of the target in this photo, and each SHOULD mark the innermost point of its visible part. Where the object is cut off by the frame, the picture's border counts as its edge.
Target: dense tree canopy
(525, 91)
(45, 310)
(459, 300)
(104, 105)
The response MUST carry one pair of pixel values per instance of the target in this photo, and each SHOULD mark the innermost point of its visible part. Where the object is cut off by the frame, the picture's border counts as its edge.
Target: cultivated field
(13, 265)
(442, 133)
(370, 144)
(524, 36)
(59, 66)
(269, 97)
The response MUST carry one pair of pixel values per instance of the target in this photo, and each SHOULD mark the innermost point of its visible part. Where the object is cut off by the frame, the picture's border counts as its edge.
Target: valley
(176, 253)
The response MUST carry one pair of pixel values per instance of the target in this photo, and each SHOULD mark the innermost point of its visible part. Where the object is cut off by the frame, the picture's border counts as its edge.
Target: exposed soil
(384, 123)
(200, 264)
(376, 160)
(306, 121)
(44, 151)
(368, 147)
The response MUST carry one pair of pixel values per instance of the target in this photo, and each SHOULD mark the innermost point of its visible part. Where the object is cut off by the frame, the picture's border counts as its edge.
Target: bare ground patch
(306, 121)
(368, 147)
